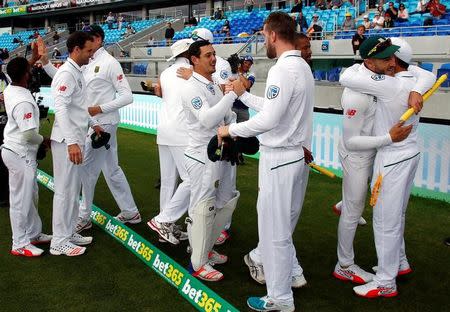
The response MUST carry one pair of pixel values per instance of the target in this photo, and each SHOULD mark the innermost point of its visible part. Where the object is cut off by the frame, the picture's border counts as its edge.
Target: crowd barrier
(433, 174)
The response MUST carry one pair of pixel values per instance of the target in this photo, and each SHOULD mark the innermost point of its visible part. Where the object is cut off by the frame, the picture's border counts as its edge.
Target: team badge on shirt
(210, 88)
(272, 92)
(350, 113)
(223, 74)
(62, 88)
(119, 77)
(377, 77)
(197, 102)
(27, 116)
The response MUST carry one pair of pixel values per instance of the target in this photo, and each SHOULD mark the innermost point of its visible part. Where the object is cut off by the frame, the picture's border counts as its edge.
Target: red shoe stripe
(336, 210)
(404, 272)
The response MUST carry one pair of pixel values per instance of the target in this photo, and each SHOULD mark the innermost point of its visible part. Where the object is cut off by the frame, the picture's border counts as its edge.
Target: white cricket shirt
(23, 115)
(285, 115)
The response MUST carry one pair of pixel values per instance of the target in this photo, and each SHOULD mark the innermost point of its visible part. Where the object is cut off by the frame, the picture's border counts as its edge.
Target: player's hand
(44, 59)
(415, 101)
(184, 73)
(94, 110)
(228, 88)
(98, 130)
(34, 53)
(308, 155)
(238, 87)
(399, 132)
(222, 132)
(75, 154)
(157, 89)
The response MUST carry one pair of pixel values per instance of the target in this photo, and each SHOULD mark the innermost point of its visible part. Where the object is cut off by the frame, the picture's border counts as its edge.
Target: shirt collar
(74, 64)
(98, 52)
(201, 78)
(289, 53)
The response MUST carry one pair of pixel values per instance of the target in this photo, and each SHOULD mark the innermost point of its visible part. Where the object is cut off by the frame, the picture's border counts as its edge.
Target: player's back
(172, 127)
(294, 128)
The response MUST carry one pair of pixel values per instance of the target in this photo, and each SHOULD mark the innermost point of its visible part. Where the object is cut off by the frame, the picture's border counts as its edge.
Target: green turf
(109, 278)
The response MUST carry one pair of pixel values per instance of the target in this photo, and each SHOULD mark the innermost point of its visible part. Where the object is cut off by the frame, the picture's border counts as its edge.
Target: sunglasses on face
(380, 47)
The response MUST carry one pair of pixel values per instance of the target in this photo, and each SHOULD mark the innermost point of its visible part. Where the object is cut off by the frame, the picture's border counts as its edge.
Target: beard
(270, 51)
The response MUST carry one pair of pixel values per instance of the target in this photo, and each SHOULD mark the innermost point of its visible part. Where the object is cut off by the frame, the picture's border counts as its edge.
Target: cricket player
(67, 143)
(253, 258)
(221, 76)
(396, 163)
(21, 142)
(213, 199)
(284, 124)
(172, 141)
(107, 91)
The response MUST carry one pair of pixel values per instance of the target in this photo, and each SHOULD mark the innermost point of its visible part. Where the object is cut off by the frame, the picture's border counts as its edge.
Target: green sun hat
(377, 47)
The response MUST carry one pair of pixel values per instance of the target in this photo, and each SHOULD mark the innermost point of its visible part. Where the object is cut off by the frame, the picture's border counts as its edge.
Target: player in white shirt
(396, 163)
(212, 199)
(172, 140)
(284, 126)
(107, 91)
(68, 138)
(221, 76)
(253, 258)
(21, 142)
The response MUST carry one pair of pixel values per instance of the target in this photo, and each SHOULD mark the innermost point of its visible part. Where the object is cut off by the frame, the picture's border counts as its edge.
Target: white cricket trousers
(173, 200)
(398, 169)
(107, 161)
(283, 176)
(23, 198)
(208, 180)
(357, 170)
(67, 194)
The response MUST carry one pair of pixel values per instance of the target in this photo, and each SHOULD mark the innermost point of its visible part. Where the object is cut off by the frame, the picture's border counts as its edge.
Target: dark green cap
(377, 47)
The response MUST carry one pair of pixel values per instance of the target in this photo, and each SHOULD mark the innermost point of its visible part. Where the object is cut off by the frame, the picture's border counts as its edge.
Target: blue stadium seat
(427, 66)
(442, 71)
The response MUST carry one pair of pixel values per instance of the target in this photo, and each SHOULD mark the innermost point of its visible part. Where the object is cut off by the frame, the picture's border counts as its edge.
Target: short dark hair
(17, 68)
(194, 48)
(401, 63)
(78, 39)
(300, 36)
(97, 31)
(282, 24)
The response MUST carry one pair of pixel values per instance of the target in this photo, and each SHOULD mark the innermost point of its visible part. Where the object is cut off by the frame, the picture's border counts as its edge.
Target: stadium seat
(442, 71)
(427, 66)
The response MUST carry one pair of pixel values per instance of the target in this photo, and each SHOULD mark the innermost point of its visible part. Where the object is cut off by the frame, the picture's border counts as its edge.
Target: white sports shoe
(164, 230)
(208, 273)
(216, 258)
(41, 239)
(27, 251)
(403, 269)
(179, 233)
(352, 273)
(67, 249)
(83, 224)
(133, 218)
(298, 281)
(372, 290)
(267, 304)
(79, 240)
(256, 270)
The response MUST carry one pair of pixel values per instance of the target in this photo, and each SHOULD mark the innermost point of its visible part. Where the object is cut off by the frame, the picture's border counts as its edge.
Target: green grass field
(110, 278)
